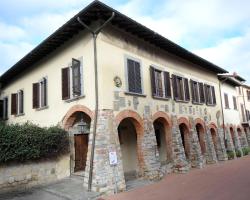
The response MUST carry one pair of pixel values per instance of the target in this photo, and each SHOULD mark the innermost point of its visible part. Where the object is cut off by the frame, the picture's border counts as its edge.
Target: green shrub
(27, 142)
(230, 155)
(238, 153)
(245, 151)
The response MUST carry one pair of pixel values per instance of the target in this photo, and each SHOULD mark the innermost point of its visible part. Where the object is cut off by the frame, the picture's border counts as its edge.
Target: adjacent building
(152, 102)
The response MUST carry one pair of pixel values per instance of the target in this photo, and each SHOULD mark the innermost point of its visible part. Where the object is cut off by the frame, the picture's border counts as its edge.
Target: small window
(248, 95)
(180, 88)
(197, 91)
(243, 113)
(72, 80)
(40, 94)
(210, 95)
(235, 103)
(160, 83)
(134, 76)
(226, 101)
(17, 103)
(4, 108)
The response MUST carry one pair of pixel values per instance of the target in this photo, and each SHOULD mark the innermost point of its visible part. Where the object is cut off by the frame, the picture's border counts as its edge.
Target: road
(223, 181)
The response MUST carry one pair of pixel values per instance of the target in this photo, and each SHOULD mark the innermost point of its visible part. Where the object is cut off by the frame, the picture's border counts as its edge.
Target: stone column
(237, 141)
(106, 140)
(196, 155)
(150, 150)
(243, 140)
(221, 148)
(179, 158)
(230, 145)
(210, 150)
(248, 135)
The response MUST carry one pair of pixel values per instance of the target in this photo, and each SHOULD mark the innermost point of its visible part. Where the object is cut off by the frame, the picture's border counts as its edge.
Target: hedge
(28, 142)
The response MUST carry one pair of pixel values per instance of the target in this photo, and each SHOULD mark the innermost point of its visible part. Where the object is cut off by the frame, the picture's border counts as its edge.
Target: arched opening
(213, 134)
(129, 138)
(79, 128)
(185, 137)
(232, 135)
(201, 136)
(163, 139)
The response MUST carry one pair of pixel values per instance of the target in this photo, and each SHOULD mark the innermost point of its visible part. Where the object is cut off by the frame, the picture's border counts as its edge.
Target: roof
(94, 11)
(230, 79)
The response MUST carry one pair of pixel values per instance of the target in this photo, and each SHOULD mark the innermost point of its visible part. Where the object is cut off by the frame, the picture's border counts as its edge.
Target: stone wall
(22, 176)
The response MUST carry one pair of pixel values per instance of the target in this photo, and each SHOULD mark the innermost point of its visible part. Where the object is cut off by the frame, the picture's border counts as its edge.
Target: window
(248, 95)
(239, 90)
(197, 90)
(160, 83)
(17, 103)
(226, 101)
(180, 88)
(134, 76)
(4, 108)
(235, 103)
(243, 112)
(72, 80)
(210, 95)
(40, 94)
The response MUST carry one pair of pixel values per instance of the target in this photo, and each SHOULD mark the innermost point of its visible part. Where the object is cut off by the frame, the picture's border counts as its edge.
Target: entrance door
(81, 149)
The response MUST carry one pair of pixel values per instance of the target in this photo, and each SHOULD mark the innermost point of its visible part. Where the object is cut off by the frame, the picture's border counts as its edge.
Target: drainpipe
(94, 35)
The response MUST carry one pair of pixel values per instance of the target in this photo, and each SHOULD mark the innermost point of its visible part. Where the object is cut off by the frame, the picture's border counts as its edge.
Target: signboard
(112, 158)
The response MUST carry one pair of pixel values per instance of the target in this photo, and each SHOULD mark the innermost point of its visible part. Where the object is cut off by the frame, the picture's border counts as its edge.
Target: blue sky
(217, 30)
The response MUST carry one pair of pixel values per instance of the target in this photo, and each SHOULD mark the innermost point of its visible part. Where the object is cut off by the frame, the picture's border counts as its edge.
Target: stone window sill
(135, 94)
(74, 98)
(161, 98)
(19, 115)
(42, 108)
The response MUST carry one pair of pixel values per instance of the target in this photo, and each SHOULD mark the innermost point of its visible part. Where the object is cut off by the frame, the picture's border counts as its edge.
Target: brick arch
(183, 120)
(163, 115)
(213, 126)
(201, 134)
(241, 128)
(68, 120)
(199, 121)
(138, 124)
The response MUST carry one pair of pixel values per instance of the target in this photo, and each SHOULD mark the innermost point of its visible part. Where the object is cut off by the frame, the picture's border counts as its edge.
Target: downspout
(94, 35)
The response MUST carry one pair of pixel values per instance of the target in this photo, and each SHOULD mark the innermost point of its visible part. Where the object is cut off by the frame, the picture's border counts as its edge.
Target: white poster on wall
(113, 158)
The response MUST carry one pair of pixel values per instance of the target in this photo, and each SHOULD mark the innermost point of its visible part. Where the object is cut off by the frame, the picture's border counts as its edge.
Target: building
(153, 103)
(235, 135)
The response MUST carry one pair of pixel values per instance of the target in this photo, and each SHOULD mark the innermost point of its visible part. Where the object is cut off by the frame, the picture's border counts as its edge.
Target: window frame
(40, 92)
(210, 94)
(18, 103)
(180, 81)
(226, 101)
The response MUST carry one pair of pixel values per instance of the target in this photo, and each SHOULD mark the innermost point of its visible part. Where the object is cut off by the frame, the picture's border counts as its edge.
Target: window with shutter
(36, 95)
(180, 88)
(194, 91)
(201, 91)
(65, 83)
(235, 103)
(20, 102)
(14, 104)
(76, 77)
(210, 95)
(158, 81)
(5, 108)
(226, 101)
(134, 76)
(1, 109)
(43, 96)
(174, 85)
(248, 95)
(213, 95)
(186, 90)
(152, 77)
(243, 113)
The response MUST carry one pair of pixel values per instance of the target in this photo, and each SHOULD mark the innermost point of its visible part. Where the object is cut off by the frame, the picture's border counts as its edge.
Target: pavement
(228, 180)
(67, 189)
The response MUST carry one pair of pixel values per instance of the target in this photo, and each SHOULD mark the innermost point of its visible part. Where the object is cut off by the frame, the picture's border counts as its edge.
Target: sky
(217, 30)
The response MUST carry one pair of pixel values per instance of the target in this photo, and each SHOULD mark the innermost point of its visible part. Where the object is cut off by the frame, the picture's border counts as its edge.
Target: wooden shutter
(43, 92)
(202, 95)
(213, 95)
(243, 113)
(131, 76)
(235, 103)
(207, 95)
(76, 76)
(137, 69)
(192, 91)
(35, 95)
(65, 83)
(186, 89)
(20, 103)
(174, 85)
(167, 84)
(152, 77)
(226, 100)
(14, 103)
(1, 109)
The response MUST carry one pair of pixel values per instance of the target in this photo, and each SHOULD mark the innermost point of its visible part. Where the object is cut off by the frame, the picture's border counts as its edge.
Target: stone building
(138, 94)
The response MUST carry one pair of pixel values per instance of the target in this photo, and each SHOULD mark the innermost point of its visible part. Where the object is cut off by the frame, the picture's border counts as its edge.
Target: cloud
(11, 32)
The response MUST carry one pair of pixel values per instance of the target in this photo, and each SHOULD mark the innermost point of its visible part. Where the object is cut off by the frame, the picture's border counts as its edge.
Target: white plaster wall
(231, 115)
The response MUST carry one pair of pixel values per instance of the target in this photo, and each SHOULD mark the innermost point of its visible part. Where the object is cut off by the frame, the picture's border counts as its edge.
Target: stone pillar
(196, 155)
(179, 158)
(243, 140)
(150, 150)
(230, 145)
(237, 142)
(210, 150)
(248, 135)
(106, 140)
(221, 148)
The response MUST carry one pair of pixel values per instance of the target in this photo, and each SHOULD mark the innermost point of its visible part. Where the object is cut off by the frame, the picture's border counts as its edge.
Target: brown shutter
(45, 86)
(131, 76)
(186, 89)
(152, 78)
(206, 93)
(202, 95)
(137, 70)
(35, 95)
(174, 85)
(14, 104)
(20, 103)
(76, 76)
(65, 83)
(167, 84)
(1, 109)
(192, 91)
(213, 95)
(235, 103)
(226, 100)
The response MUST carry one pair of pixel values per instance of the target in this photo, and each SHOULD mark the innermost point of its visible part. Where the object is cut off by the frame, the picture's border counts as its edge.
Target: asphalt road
(223, 181)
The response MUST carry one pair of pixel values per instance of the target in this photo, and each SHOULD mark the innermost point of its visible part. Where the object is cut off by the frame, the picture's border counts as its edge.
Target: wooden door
(81, 149)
